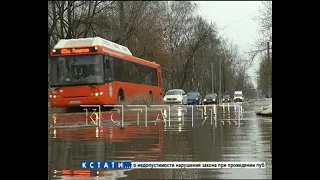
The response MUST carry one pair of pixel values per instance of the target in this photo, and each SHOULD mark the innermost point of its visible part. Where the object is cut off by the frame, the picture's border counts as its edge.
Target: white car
(175, 96)
(238, 96)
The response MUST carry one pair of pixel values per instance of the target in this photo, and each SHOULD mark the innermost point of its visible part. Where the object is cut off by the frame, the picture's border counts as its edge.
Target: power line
(208, 18)
(223, 27)
(219, 30)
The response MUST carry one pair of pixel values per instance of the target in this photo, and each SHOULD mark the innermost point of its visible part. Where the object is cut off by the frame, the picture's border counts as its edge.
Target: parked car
(175, 96)
(226, 98)
(238, 96)
(211, 98)
(194, 98)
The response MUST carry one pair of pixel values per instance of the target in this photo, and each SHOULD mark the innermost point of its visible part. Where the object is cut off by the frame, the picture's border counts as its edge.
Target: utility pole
(220, 81)
(212, 77)
(121, 21)
(192, 83)
(269, 71)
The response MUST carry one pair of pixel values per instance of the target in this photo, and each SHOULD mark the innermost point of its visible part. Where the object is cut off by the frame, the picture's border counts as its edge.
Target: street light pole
(220, 81)
(192, 83)
(269, 71)
(212, 77)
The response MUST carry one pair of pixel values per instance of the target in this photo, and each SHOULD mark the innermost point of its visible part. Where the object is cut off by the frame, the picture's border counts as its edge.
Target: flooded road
(229, 132)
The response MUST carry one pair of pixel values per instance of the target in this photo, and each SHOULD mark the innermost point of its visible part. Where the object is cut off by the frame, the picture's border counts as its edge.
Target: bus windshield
(76, 70)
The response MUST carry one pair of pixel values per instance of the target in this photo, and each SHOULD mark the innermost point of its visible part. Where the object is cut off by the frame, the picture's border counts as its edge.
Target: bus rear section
(135, 79)
(99, 75)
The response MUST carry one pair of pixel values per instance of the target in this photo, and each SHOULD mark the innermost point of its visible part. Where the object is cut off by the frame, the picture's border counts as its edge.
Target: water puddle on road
(225, 133)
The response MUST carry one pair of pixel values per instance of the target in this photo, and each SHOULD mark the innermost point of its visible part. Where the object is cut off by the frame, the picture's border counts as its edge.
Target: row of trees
(264, 73)
(172, 34)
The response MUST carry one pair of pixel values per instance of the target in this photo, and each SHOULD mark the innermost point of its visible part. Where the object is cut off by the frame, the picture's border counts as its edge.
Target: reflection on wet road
(229, 132)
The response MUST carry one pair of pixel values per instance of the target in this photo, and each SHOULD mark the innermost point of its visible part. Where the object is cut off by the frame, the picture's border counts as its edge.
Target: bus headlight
(98, 93)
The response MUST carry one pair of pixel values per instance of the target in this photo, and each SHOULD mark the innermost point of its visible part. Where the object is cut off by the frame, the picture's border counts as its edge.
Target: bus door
(108, 68)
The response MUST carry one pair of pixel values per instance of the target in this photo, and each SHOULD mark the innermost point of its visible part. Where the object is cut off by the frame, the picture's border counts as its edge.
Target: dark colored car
(226, 98)
(194, 98)
(211, 99)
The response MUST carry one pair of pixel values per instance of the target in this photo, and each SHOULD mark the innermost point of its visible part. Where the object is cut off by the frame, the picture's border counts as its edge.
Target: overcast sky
(237, 16)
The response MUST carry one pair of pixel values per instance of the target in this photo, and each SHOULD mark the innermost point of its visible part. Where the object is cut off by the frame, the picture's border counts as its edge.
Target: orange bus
(95, 71)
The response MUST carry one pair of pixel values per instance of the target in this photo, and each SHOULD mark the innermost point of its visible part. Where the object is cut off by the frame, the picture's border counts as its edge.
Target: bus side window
(108, 69)
(158, 79)
(140, 78)
(118, 69)
(127, 71)
(148, 78)
(136, 73)
(154, 77)
(145, 76)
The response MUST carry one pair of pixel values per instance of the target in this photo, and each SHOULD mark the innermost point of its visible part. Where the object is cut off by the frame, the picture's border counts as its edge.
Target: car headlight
(196, 98)
(179, 98)
(164, 98)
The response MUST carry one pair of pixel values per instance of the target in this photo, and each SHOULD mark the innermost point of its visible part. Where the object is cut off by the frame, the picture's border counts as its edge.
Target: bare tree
(73, 19)
(265, 21)
(172, 34)
(260, 47)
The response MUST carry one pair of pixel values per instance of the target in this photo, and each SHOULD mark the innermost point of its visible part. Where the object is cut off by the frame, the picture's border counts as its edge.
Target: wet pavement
(228, 132)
